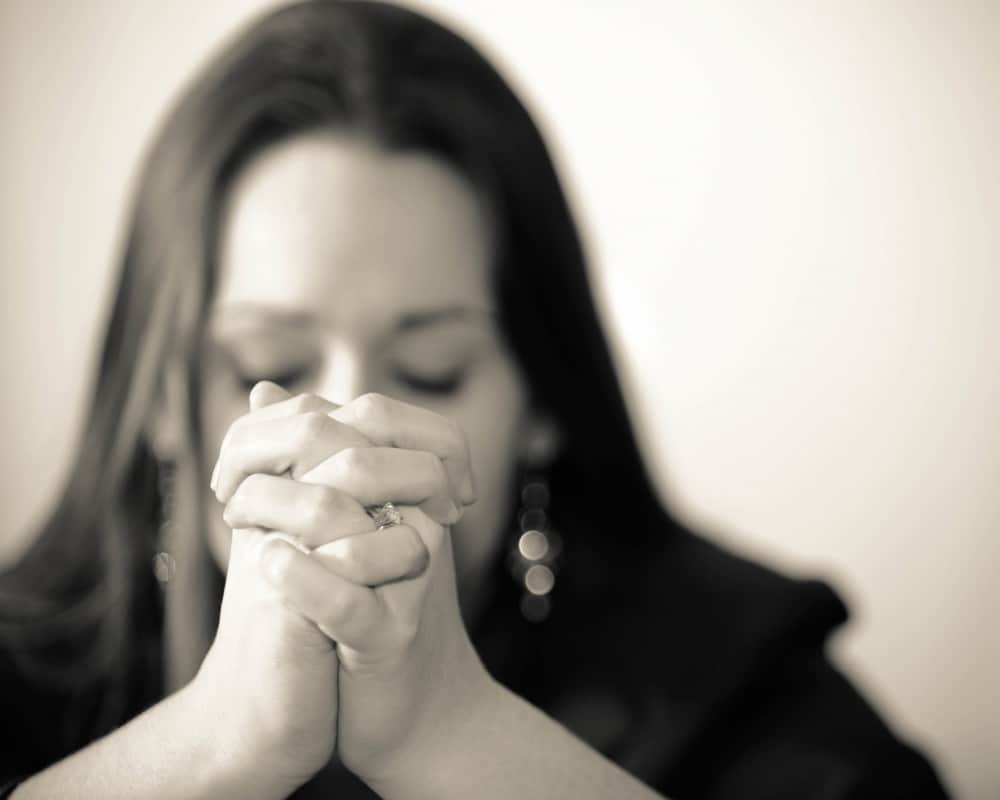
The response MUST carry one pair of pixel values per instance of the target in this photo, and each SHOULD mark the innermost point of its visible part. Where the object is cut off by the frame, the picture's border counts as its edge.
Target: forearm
(168, 751)
(510, 749)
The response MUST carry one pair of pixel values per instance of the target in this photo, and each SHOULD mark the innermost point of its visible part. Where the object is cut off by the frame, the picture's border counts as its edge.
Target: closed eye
(444, 385)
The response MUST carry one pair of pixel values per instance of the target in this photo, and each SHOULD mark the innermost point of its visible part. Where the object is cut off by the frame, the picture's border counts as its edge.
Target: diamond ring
(385, 515)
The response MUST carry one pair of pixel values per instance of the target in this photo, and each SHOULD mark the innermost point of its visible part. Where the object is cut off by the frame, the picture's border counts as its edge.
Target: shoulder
(693, 603)
(29, 719)
(728, 608)
(738, 694)
(59, 688)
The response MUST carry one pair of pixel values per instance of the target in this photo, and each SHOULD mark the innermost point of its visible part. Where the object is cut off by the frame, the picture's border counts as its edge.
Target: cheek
(491, 421)
(221, 405)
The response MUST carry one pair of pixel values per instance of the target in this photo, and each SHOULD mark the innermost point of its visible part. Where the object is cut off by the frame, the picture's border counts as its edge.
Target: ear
(540, 440)
(165, 424)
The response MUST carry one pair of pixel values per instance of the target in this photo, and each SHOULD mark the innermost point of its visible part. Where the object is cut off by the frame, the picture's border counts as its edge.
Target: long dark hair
(69, 605)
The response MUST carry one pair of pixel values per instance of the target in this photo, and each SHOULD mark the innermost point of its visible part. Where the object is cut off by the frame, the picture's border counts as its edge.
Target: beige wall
(794, 211)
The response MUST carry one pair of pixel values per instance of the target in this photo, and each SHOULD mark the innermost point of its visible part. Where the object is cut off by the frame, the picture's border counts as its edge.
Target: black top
(699, 672)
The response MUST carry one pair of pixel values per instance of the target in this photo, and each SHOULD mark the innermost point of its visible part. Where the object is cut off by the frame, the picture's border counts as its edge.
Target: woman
(351, 217)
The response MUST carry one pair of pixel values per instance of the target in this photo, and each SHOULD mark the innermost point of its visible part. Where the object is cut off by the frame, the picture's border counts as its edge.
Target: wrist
(448, 744)
(226, 759)
(215, 768)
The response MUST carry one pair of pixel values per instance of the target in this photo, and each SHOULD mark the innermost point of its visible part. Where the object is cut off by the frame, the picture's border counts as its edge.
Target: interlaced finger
(313, 513)
(284, 444)
(346, 612)
(393, 423)
(376, 557)
(375, 475)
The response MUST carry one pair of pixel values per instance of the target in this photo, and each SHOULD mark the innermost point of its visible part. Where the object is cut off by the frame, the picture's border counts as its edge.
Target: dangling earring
(164, 565)
(535, 549)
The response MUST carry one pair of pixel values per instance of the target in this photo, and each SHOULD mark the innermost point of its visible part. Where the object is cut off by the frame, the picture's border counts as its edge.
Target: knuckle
(252, 485)
(340, 607)
(310, 426)
(346, 551)
(320, 507)
(277, 557)
(239, 499)
(352, 459)
(234, 508)
(336, 469)
(231, 514)
(302, 403)
(241, 502)
(371, 405)
(418, 557)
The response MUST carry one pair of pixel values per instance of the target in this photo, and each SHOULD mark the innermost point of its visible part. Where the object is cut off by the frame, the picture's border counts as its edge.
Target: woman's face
(346, 269)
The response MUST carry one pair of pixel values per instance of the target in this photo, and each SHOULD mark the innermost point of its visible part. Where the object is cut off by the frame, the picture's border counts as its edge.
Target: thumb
(266, 393)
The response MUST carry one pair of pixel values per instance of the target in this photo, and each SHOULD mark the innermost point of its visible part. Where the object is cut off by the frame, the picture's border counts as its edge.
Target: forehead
(331, 225)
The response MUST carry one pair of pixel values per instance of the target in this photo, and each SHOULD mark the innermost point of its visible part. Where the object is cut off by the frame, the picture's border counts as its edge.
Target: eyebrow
(268, 313)
(408, 321)
(420, 319)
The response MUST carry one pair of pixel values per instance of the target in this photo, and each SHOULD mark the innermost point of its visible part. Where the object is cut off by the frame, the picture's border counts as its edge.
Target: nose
(345, 373)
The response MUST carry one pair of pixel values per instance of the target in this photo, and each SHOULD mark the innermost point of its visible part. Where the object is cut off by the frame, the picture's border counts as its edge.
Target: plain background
(793, 213)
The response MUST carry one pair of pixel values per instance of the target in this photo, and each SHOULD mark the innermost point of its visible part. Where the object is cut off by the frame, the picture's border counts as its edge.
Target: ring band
(385, 515)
